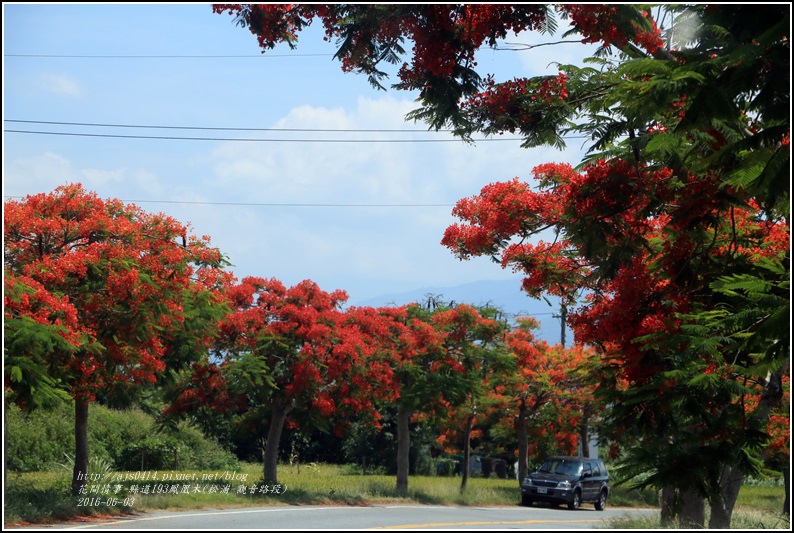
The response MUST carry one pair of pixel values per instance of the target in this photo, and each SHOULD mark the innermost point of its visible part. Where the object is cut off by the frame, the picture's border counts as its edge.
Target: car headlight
(564, 485)
(527, 481)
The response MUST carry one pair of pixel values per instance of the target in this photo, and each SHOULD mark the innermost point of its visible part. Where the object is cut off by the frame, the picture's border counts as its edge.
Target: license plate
(542, 490)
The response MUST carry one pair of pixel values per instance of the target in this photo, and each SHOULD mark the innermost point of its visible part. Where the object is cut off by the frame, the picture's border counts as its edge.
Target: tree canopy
(675, 223)
(96, 293)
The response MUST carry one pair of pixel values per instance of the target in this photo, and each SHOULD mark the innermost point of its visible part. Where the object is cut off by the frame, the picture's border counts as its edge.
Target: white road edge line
(191, 515)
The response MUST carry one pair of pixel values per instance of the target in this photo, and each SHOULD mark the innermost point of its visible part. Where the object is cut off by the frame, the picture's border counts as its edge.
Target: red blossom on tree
(602, 23)
(547, 384)
(676, 222)
(292, 356)
(445, 39)
(113, 281)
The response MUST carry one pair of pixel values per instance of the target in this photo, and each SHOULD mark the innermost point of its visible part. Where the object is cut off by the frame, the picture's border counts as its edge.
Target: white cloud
(392, 247)
(45, 172)
(367, 251)
(148, 182)
(331, 172)
(96, 178)
(61, 85)
(41, 173)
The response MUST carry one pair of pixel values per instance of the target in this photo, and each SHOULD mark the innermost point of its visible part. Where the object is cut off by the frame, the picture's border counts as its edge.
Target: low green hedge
(125, 440)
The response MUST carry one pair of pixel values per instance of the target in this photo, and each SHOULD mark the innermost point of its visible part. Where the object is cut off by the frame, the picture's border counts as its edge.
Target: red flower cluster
(271, 23)
(206, 387)
(500, 212)
(600, 23)
(553, 90)
(608, 205)
(107, 276)
(516, 103)
(448, 35)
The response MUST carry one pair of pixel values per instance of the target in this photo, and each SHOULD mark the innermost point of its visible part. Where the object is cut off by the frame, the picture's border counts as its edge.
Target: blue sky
(214, 185)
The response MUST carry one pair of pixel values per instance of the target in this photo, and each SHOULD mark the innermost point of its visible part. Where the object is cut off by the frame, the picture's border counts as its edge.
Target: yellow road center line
(455, 524)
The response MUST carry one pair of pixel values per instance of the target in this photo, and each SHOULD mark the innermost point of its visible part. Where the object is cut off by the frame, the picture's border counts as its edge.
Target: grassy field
(43, 497)
(758, 507)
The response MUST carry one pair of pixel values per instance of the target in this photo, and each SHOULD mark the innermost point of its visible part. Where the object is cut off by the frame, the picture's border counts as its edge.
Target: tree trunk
(403, 448)
(523, 441)
(732, 478)
(80, 472)
(684, 509)
(584, 437)
(466, 452)
(693, 511)
(5, 443)
(278, 414)
(722, 506)
(668, 511)
(772, 397)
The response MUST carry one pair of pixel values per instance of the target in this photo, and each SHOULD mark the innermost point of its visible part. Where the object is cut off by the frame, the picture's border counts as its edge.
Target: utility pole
(563, 319)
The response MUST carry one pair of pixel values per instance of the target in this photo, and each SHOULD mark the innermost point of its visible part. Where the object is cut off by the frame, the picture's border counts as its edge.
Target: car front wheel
(576, 502)
(526, 500)
(601, 503)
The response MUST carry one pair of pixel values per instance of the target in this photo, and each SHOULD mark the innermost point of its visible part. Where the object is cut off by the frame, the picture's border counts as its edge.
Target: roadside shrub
(126, 440)
(351, 469)
(445, 467)
(111, 432)
(424, 465)
(200, 453)
(155, 452)
(37, 441)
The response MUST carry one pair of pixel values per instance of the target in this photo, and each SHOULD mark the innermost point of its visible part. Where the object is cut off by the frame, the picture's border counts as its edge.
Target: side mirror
(586, 475)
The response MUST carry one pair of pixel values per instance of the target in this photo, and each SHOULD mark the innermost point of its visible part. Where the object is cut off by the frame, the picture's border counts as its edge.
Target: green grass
(759, 506)
(761, 498)
(326, 484)
(624, 497)
(44, 496)
(740, 520)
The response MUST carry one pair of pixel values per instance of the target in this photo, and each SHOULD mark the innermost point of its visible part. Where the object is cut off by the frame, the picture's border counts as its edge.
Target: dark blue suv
(567, 480)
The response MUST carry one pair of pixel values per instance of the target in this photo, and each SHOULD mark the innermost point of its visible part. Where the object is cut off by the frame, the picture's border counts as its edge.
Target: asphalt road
(367, 517)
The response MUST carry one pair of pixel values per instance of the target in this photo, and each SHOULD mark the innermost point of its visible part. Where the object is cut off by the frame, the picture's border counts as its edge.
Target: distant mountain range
(502, 294)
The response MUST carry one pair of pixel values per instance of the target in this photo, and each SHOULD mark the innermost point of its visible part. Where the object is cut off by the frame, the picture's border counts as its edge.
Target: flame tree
(283, 354)
(421, 347)
(548, 378)
(679, 212)
(99, 296)
(474, 344)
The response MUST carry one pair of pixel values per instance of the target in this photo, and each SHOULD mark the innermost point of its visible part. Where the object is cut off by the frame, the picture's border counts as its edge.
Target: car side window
(596, 470)
(587, 470)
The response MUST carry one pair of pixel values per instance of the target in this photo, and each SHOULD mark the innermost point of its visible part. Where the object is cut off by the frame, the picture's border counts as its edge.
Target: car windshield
(562, 466)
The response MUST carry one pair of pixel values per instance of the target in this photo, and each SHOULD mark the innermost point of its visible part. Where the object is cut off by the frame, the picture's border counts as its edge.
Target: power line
(146, 56)
(215, 128)
(269, 204)
(515, 47)
(210, 128)
(255, 204)
(219, 56)
(165, 138)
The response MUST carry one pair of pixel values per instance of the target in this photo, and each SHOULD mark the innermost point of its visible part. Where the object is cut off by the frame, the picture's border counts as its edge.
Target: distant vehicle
(567, 480)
